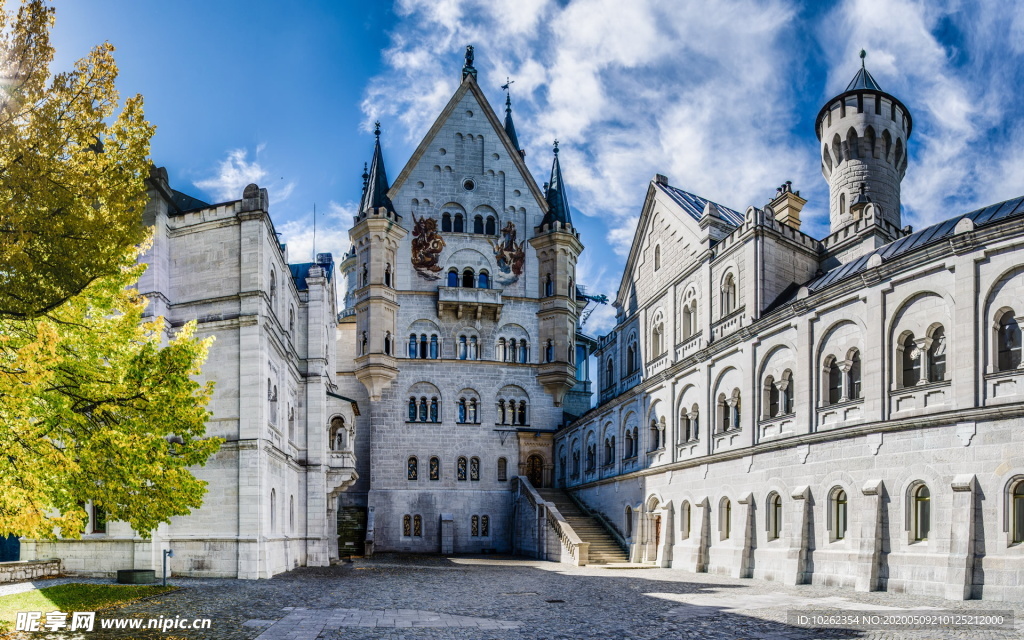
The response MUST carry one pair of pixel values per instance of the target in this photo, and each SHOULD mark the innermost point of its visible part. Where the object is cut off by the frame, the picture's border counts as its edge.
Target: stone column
(663, 557)
(960, 561)
(869, 539)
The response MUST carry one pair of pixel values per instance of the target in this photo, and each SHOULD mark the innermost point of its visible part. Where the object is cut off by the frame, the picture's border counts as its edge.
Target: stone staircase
(603, 547)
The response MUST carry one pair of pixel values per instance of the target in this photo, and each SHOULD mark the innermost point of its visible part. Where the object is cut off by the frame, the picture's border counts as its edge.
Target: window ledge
(839, 405)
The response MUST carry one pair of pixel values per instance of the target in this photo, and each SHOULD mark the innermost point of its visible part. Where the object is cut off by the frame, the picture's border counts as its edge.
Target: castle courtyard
(393, 596)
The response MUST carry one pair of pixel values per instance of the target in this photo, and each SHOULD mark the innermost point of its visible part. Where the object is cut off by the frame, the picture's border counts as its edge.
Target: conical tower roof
(863, 80)
(510, 127)
(558, 199)
(375, 182)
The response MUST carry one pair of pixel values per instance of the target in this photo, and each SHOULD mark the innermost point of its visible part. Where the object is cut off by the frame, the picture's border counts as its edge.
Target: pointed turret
(375, 183)
(558, 199)
(863, 79)
(510, 127)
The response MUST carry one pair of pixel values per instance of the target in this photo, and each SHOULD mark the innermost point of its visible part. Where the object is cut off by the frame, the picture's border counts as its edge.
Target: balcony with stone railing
(729, 324)
(631, 381)
(658, 364)
(465, 302)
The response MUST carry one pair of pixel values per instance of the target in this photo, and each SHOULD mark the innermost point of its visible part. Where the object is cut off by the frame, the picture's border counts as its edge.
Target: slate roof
(185, 202)
(300, 272)
(558, 199)
(694, 205)
(863, 80)
(510, 127)
(991, 214)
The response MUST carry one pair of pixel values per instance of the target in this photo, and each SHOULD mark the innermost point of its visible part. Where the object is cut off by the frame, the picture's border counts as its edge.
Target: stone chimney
(787, 205)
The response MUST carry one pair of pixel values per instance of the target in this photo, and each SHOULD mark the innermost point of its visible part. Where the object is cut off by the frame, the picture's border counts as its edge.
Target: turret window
(387, 343)
(549, 287)
(549, 351)
(387, 275)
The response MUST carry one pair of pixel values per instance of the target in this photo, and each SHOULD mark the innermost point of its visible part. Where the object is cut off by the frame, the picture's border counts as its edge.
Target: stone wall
(22, 570)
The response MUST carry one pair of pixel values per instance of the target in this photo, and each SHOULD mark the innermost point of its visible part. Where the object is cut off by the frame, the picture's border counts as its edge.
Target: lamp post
(168, 553)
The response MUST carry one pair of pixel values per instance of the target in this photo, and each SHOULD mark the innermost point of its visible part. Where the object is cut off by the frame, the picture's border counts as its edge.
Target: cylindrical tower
(863, 133)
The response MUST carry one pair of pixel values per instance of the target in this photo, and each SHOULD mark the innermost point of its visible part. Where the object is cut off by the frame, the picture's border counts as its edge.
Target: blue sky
(720, 97)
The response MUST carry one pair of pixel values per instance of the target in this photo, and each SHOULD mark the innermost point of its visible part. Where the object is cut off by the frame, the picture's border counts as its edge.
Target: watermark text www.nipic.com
(900, 620)
(86, 621)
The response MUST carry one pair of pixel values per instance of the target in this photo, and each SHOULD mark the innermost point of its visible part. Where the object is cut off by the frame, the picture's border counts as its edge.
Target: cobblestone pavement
(492, 598)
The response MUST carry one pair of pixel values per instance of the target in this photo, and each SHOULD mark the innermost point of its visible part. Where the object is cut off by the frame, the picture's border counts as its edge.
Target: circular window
(442, 151)
(468, 185)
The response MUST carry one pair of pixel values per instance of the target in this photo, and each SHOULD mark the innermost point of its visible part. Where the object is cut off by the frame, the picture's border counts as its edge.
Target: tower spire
(510, 127)
(555, 193)
(375, 194)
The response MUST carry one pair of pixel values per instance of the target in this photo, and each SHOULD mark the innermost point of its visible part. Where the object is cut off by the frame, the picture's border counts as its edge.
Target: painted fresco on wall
(509, 255)
(427, 245)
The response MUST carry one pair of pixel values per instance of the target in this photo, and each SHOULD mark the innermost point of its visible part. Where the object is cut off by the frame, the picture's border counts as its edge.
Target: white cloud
(235, 172)
(331, 236)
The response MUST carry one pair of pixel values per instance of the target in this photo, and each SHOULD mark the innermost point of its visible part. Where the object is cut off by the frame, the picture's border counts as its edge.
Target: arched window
(412, 345)
(684, 520)
(291, 319)
(837, 517)
(657, 257)
(364, 345)
(435, 410)
(387, 343)
(607, 451)
(424, 407)
(474, 352)
(364, 277)
(491, 228)
(417, 526)
(658, 336)
(472, 417)
(853, 376)
(937, 355)
(922, 513)
(502, 350)
(728, 295)
(786, 389)
(474, 526)
(524, 351)
(412, 409)
(474, 468)
(99, 518)
(629, 445)
(478, 224)
(521, 413)
(459, 224)
(484, 281)
(725, 518)
(609, 379)
(549, 352)
(1008, 342)
(485, 526)
(387, 274)
(911, 362)
(549, 287)
(462, 410)
(273, 288)
(655, 436)
(724, 414)
(453, 278)
(842, 203)
(435, 468)
(460, 469)
(434, 347)
(412, 472)
(629, 523)
(424, 346)
(273, 510)
(1017, 512)
(407, 524)
(468, 279)
(446, 221)
(687, 322)
(291, 513)
(774, 516)
(771, 390)
(463, 348)
(835, 380)
(632, 362)
(502, 469)
(338, 434)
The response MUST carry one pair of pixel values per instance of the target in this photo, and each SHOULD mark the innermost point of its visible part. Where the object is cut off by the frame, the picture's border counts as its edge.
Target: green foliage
(89, 395)
(73, 597)
(71, 173)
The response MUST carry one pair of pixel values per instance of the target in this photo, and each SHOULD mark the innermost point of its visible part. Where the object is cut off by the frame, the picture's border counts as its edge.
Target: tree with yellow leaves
(97, 402)
(71, 173)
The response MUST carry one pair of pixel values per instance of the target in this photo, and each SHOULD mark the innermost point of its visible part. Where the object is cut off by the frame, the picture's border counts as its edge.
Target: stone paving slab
(462, 598)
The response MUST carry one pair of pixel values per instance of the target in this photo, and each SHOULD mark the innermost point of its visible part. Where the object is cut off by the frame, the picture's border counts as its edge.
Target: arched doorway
(535, 470)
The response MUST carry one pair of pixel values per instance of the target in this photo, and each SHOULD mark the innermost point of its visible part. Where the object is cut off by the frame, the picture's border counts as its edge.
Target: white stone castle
(846, 410)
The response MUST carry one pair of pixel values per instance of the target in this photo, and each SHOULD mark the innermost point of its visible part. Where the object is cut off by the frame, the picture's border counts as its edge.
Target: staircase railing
(572, 544)
(605, 522)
